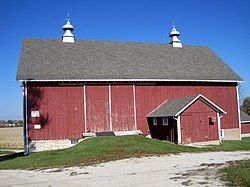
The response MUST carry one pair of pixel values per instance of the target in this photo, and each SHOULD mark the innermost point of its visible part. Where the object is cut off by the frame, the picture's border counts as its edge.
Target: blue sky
(221, 25)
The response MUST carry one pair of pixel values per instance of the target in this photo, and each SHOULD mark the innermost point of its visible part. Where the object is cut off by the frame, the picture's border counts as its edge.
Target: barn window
(165, 121)
(212, 120)
(154, 121)
(74, 141)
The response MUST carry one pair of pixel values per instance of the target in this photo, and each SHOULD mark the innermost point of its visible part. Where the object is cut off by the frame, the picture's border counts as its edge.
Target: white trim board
(238, 108)
(130, 80)
(135, 115)
(110, 109)
(245, 122)
(85, 108)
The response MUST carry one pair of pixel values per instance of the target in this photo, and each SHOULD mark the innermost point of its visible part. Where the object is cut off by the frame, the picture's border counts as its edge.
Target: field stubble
(11, 137)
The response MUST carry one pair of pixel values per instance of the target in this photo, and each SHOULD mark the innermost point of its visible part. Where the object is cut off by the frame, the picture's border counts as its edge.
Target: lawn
(237, 174)
(103, 149)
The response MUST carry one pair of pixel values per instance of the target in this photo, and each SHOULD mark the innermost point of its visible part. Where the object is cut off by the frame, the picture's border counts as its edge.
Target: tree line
(246, 105)
(11, 123)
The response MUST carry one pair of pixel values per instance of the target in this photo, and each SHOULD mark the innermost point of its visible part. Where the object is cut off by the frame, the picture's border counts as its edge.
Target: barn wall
(195, 126)
(61, 112)
(149, 97)
(57, 103)
(245, 128)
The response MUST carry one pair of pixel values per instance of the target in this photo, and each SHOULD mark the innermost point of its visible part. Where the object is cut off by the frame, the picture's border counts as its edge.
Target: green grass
(237, 174)
(232, 145)
(103, 149)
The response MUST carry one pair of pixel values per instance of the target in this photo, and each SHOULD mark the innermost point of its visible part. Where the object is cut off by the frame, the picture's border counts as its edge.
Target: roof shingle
(174, 107)
(45, 59)
(244, 117)
(171, 107)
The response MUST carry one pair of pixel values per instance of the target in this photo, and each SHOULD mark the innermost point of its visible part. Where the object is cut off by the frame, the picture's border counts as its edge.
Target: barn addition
(187, 120)
(77, 88)
(245, 123)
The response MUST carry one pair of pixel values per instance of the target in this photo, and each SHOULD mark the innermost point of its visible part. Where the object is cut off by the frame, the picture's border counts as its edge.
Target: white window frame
(165, 121)
(154, 121)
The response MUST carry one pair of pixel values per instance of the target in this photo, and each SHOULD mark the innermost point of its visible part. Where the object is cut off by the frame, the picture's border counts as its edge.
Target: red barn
(245, 123)
(76, 88)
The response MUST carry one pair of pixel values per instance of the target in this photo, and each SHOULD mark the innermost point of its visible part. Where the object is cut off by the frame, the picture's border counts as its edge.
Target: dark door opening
(163, 128)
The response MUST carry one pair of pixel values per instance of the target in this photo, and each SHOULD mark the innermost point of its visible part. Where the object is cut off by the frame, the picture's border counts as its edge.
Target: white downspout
(219, 126)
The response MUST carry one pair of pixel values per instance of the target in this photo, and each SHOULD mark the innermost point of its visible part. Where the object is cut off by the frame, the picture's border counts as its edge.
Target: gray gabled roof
(175, 107)
(44, 59)
(244, 117)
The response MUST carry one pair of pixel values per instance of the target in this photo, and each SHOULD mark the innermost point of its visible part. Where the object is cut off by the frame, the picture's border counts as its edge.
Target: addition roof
(244, 117)
(175, 107)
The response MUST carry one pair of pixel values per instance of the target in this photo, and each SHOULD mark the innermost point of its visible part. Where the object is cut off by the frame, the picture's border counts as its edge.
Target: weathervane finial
(173, 25)
(68, 19)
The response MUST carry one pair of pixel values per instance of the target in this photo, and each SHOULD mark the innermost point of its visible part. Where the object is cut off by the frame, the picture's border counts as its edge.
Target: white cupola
(174, 34)
(68, 37)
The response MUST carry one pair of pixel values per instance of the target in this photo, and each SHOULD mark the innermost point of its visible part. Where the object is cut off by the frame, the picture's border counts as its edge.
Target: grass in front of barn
(96, 150)
(232, 145)
(11, 138)
(103, 149)
(237, 174)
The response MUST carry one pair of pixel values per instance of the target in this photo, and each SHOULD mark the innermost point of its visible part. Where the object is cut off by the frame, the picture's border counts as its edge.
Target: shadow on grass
(10, 156)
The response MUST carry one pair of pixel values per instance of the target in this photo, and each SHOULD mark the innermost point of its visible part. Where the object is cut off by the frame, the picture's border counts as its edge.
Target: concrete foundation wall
(232, 134)
(205, 143)
(44, 145)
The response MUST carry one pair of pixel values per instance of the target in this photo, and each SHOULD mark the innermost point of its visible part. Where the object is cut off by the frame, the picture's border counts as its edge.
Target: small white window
(154, 121)
(165, 121)
(37, 126)
(35, 114)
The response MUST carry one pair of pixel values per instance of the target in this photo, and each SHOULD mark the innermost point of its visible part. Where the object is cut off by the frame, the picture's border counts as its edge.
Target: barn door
(97, 108)
(122, 108)
(187, 128)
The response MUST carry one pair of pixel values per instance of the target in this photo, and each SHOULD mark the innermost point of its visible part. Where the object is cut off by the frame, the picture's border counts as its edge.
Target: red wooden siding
(62, 107)
(97, 113)
(245, 128)
(195, 125)
(61, 112)
(122, 108)
(149, 97)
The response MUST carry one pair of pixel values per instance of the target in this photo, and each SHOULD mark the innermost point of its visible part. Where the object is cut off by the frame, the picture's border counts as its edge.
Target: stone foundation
(45, 145)
(232, 134)
(245, 135)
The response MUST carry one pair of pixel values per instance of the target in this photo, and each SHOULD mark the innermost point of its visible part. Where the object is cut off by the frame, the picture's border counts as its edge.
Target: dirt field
(11, 137)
